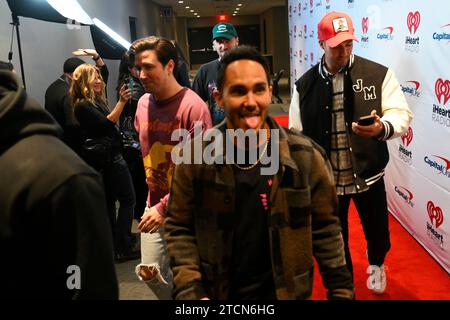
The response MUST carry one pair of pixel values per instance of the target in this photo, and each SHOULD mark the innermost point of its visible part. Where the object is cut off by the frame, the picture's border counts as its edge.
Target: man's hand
(372, 131)
(151, 220)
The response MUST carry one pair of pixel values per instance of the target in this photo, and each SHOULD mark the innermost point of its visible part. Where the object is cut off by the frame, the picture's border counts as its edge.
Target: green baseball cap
(224, 30)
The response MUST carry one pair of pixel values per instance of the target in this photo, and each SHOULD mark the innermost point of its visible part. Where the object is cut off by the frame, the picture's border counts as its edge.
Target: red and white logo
(405, 194)
(442, 89)
(389, 29)
(416, 84)
(446, 161)
(365, 25)
(413, 21)
(435, 213)
(407, 137)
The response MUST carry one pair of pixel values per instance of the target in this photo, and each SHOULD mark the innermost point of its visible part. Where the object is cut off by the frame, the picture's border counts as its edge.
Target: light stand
(16, 24)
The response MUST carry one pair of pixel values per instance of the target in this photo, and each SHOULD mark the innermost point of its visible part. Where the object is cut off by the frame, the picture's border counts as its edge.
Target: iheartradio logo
(435, 213)
(442, 89)
(413, 22)
(407, 137)
(365, 25)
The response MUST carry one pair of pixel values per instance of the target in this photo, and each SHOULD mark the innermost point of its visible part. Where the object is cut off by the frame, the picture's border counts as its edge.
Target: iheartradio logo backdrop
(413, 22)
(365, 25)
(442, 90)
(435, 214)
(407, 137)
(412, 38)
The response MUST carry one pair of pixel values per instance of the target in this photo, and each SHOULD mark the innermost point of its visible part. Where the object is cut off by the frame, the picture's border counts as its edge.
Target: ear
(170, 66)
(321, 44)
(218, 98)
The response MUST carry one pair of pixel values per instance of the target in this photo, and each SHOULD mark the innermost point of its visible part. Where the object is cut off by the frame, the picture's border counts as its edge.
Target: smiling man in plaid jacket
(234, 233)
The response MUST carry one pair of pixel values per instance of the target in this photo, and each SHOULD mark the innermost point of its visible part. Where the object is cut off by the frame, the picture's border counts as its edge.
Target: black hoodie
(55, 238)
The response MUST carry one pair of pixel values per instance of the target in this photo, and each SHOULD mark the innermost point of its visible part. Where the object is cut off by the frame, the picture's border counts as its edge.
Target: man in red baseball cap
(327, 105)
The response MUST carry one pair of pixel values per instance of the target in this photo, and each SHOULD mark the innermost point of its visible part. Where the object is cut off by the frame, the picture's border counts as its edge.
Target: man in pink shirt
(166, 107)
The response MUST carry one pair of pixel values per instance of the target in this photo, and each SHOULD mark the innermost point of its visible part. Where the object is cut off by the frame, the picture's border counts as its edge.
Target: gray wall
(46, 45)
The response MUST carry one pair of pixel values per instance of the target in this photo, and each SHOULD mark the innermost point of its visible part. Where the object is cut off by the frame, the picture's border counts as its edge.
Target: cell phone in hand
(130, 84)
(366, 120)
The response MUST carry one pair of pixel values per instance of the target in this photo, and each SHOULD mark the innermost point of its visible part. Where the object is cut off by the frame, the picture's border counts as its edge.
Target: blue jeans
(119, 187)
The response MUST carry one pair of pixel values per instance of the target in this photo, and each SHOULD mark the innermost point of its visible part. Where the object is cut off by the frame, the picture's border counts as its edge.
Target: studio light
(110, 32)
(71, 9)
(50, 10)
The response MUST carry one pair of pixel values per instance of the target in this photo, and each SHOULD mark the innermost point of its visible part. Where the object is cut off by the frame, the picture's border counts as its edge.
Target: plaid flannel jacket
(303, 223)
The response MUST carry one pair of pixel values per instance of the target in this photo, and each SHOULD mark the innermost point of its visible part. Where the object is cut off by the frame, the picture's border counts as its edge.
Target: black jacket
(52, 209)
(369, 156)
(57, 102)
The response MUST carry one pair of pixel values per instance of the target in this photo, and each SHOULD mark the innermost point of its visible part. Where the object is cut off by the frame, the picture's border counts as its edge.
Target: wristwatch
(96, 57)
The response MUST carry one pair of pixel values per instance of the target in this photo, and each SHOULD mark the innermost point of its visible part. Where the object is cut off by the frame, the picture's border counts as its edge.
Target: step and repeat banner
(413, 38)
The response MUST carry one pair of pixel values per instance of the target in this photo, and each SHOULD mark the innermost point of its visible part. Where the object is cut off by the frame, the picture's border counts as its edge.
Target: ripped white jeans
(154, 254)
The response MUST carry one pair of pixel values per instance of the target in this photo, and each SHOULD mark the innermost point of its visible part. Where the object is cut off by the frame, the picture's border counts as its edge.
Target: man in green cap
(224, 38)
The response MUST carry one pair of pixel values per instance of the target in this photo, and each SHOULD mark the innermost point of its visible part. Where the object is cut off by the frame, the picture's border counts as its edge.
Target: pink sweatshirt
(155, 121)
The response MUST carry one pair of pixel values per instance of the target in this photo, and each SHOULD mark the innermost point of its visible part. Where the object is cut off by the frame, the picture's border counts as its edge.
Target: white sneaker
(377, 278)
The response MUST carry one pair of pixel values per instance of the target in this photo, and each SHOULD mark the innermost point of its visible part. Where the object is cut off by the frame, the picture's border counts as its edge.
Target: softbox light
(108, 43)
(59, 11)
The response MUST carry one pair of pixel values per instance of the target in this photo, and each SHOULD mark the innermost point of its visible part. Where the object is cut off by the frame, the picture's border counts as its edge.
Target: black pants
(118, 186)
(373, 213)
(137, 172)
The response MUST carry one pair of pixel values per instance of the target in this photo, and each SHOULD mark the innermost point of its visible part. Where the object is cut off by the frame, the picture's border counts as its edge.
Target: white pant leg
(154, 254)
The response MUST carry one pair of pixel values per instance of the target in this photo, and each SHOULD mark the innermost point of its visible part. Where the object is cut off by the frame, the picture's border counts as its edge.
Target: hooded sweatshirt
(55, 238)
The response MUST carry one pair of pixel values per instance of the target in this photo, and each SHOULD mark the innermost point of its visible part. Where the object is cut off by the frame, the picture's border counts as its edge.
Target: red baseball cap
(335, 28)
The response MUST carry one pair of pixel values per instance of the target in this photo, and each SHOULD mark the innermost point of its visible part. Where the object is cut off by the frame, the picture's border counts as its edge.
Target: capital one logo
(413, 22)
(442, 90)
(389, 29)
(365, 25)
(405, 194)
(435, 214)
(407, 137)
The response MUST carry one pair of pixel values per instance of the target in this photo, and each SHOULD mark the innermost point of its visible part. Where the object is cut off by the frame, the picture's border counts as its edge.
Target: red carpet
(412, 274)
(282, 120)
